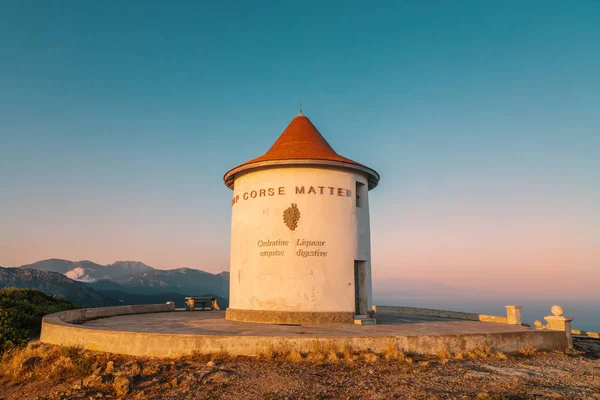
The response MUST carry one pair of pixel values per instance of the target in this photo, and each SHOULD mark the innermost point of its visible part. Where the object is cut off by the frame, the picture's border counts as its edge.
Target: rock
(177, 382)
(92, 381)
(142, 394)
(122, 385)
(30, 362)
(96, 368)
(77, 386)
(200, 373)
(210, 364)
(151, 370)
(110, 367)
(95, 380)
(133, 368)
(557, 310)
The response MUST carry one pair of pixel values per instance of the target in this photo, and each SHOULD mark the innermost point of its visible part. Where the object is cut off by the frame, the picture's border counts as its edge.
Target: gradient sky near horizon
(118, 120)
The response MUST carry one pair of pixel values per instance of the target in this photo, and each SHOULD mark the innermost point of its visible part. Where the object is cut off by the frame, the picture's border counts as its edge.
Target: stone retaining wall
(86, 314)
(441, 314)
(59, 329)
(579, 332)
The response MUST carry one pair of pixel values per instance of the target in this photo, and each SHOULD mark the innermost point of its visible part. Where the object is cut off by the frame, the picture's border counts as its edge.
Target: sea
(585, 313)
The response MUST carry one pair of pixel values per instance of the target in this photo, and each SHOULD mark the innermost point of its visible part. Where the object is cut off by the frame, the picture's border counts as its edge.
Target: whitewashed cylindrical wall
(302, 270)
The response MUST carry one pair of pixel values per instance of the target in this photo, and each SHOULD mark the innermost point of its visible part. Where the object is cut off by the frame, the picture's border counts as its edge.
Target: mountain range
(89, 284)
(88, 271)
(56, 284)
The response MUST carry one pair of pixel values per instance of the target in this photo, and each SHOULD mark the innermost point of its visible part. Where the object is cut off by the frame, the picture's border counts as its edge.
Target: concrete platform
(161, 333)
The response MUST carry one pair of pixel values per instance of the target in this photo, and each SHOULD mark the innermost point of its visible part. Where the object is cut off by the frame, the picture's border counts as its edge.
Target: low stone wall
(86, 314)
(441, 314)
(143, 344)
(579, 332)
(59, 329)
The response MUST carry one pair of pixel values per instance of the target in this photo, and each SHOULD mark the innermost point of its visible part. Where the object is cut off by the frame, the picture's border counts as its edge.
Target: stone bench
(190, 303)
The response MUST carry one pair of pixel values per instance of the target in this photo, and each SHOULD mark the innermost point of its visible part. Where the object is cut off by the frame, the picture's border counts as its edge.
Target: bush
(21, 312)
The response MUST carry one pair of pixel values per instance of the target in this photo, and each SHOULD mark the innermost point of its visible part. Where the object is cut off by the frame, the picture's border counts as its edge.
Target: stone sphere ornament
(538, 324)
(557, 310)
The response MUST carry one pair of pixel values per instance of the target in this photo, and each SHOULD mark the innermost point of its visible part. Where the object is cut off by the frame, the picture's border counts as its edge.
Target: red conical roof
(301, 140)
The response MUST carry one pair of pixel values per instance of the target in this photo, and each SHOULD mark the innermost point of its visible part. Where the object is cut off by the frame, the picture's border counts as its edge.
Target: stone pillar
(513, 315)
(558, 322)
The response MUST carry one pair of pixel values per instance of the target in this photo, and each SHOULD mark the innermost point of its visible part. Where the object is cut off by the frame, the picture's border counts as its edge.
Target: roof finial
(300, 106)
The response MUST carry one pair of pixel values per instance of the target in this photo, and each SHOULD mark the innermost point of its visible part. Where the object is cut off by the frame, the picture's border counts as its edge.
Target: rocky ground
(50, 372)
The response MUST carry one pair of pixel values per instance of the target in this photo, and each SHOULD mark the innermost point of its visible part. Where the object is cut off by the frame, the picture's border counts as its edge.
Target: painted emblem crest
(291, 216)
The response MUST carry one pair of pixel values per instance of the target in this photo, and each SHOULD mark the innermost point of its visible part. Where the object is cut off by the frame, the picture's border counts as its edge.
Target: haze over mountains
(88, 284)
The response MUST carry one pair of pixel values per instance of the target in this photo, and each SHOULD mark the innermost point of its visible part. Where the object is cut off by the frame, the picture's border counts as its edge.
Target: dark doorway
(361, 301)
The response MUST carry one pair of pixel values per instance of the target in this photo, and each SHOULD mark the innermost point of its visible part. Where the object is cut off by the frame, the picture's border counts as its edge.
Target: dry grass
(295, 356)
(528, 351)
(392, 352)
(282, 353)
(36, 360)
(443, 352)
(268, 354)
(348, 354)
(485, 352)
(369, 357)
(53, 374)
(327, 352)
(481, 352)
(221, 355)
(317, 351)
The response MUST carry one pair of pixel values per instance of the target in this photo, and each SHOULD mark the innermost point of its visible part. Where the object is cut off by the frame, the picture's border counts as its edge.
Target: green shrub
(21, 312)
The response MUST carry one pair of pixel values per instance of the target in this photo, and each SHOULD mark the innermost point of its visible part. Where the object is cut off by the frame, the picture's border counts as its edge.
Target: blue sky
(118, 120)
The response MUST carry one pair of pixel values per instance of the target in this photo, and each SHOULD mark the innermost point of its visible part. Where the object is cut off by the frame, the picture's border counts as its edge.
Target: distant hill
(182, 280)
(126, 281)
(88, 271)
(55, 284)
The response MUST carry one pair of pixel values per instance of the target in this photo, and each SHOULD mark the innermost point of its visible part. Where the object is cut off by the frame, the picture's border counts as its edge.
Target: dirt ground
(50, 372)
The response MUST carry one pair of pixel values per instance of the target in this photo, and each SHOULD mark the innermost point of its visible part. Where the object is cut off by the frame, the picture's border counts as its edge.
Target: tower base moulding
(289, 317)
